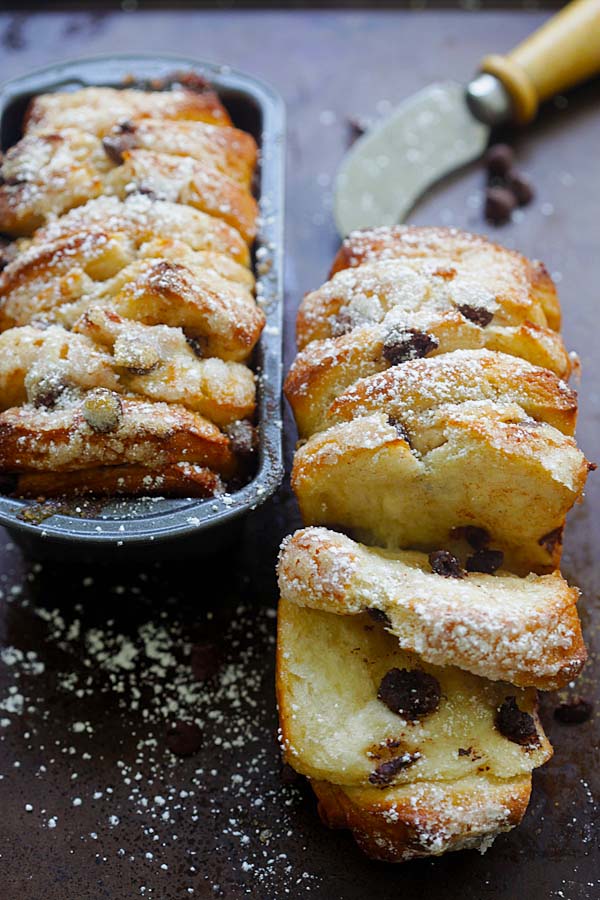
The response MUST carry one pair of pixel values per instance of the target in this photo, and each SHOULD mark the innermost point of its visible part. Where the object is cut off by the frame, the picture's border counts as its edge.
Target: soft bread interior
(334, 727)
(522, 630)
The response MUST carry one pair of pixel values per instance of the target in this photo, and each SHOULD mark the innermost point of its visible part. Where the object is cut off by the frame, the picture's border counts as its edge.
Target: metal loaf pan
(167, 528)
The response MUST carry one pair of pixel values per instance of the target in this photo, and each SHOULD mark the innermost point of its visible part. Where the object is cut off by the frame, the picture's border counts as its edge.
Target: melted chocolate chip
(243, 437)
(516, 725)
(400, 429)
(463, 752)
(486, 561)
(573, 711)
(549, 541)
(402, 344)
(410, 693)
(443, 563)
(477, 537)
(198, 345)
(477, 314)
(499, 159)
(184, 738)
(116, 145)
(205, 660)
(378, 615)
(387, 771)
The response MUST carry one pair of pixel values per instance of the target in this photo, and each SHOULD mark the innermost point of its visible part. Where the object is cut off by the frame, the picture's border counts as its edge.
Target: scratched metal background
(328, 65)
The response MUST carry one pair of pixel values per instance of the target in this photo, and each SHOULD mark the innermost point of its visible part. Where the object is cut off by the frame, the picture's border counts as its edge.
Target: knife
(446, 125)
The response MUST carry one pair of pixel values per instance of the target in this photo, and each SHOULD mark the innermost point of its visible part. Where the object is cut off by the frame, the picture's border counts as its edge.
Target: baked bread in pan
(470, 438)
(49, 173)
(395, 746)
(436, 425)
(126, 301)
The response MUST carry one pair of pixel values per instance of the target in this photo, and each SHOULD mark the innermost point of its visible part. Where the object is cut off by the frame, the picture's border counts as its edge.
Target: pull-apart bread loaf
(411, 456)
(127, 313)
(413, 293)
(434, 424)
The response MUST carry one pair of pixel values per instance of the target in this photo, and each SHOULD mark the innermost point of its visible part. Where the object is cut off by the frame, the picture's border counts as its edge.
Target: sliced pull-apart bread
(388, 310)
(415, 759)
(410, 457)
(477, 617)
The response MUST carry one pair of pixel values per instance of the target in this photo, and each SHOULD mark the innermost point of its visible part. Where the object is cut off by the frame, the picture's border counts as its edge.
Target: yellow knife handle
(562, 53)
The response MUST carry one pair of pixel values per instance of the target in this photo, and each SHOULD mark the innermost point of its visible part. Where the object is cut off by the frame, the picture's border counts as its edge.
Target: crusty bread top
(143, 218)
(98, 109)
(404, 241)
(462, 377)
(334, 727)
(502, 627)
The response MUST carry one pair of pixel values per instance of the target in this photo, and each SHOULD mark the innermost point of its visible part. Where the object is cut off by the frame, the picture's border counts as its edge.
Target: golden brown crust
(402, 824)
(178, 480)
(144, 218)
(66, 438)
(525, 631)
(98, 109)
(403, 241)
(47, 174)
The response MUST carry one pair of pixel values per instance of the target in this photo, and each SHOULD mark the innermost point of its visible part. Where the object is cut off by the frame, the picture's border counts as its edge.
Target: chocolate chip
(521, 188)
(499, 159)
(443, 563)
(401, 431)
(115, 147)
(411, 693)
(402, 344)
(573, 711)
(463, 752)
(378, 615)
(184, 738)
(386, 772)
(550, 541)
(243, 437)
(499, 204)
(102, 410)
(486, 561)
(205, 660)
(288, 775)
(516, 725)
(480, 315)
(477, 538)
(46, 390)
(198, 345)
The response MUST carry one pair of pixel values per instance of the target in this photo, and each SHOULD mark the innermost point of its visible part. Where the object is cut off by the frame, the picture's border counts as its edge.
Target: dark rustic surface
(97, 665)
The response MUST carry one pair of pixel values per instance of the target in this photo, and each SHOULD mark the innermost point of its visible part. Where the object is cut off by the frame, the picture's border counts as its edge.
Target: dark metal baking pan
(175, 527)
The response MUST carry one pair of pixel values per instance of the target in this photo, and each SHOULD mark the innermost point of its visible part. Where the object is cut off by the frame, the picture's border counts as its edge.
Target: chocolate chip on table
(184, 738)
(205, 660)
(521, 187)
(479, 315)
(399, 427)
(410, 693)
(243, 437)
(486, 561)
(385, 773)
(443, 563)
(499, 204)
(499, 159)
(573, 711)
(550, 540)
(516, 725)
(378, 615)
(402, 344)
